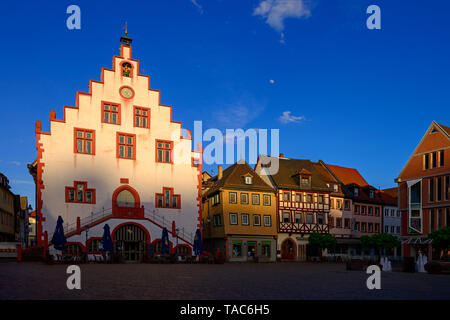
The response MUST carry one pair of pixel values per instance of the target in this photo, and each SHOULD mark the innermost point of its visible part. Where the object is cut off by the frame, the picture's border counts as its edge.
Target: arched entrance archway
(288, 249)
(130, 242)
(126, 203)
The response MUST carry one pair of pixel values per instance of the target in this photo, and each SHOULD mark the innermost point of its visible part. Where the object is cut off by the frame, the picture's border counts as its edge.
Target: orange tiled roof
(348, 175)
(445, 128)
(393, 192)
(387, 198)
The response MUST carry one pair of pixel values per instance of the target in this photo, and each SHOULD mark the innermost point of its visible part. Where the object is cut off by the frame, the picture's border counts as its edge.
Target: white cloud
(16, 163)
(286, 117)
(275, 11)
(199, 7)
(238, 114)
(272, 81)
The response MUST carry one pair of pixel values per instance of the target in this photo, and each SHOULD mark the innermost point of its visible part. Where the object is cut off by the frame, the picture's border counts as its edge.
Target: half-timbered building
(303, 203)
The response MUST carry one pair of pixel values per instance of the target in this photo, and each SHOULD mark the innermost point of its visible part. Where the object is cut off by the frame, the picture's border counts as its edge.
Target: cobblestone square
(272, 281)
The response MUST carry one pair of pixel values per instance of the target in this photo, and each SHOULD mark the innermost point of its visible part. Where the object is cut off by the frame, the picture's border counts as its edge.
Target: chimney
(219, 175)
(281, 155)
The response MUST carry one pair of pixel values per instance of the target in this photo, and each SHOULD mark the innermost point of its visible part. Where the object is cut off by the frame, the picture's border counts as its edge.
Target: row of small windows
(307, 198)
(298, 218)
(112, 115)
(392, 229)
(245, 219)
(338, 203)
(244, 198)
(357, 226)
(438, 191)
(366, 210)
(435, 157)
(393, 212)
(126, 145)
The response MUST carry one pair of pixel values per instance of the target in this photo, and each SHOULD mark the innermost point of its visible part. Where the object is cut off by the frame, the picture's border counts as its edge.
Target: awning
(416, 241)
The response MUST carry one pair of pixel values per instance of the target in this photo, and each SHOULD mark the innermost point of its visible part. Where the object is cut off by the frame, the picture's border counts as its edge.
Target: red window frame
(377, 211)
(164, 148)
(364, 227)
(125, 144)
(118, 112)
(172, 195)
(85, 189)
(139, 116)
(83, 139)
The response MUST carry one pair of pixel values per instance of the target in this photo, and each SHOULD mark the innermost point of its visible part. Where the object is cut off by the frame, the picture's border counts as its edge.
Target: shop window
(266, 249)
(237, 249)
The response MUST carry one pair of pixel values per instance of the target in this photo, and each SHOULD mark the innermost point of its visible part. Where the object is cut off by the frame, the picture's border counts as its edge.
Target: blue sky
(356, 97)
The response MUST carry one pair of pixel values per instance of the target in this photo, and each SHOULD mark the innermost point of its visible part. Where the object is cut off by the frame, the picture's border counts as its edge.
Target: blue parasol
(165, 242)
(198, 250)
(107, 244)
(58, 239)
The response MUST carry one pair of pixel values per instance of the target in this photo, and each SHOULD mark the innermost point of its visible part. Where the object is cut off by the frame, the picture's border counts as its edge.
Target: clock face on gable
(126, 92)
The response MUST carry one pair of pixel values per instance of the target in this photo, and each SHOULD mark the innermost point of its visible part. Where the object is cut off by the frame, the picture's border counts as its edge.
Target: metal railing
(86, 221)
(152, 215)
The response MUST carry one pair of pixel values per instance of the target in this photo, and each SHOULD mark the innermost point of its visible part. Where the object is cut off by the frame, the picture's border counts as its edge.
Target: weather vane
(126, 28)
(125, 39)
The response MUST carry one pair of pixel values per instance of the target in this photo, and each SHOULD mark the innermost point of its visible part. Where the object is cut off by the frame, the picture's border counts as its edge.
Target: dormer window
(248, 180)
(356, 192)
(305, 180)
(371, 193)
(335, 187)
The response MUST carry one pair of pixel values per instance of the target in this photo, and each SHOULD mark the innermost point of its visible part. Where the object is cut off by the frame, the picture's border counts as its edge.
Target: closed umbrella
(165, 242)
(198, 249)
(59, 240)
(107, 244)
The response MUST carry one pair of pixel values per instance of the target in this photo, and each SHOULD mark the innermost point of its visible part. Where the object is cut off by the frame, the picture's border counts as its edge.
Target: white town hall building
(117, 157)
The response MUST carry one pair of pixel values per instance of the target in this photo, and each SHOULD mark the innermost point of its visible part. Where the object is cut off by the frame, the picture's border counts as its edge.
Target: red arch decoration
(113, 234)
(137, 199)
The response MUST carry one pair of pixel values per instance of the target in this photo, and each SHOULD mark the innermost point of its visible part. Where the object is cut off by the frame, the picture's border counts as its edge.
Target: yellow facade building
(239, 215)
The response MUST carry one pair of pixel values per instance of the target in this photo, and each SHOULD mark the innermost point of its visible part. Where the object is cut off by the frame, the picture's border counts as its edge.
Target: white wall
(104, 170)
